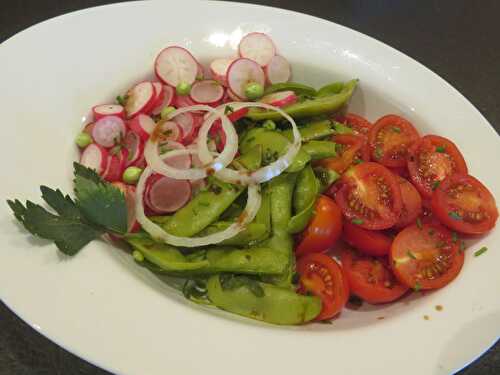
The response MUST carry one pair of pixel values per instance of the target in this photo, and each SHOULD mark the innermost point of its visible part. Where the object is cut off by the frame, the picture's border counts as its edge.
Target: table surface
(457, 39)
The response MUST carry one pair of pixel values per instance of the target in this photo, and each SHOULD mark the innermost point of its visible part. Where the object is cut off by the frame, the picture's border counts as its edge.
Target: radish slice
(140, 99)
(176, 161)
(186, 123)
(129, 193)
(171, 131)
(108, 131)
(280, 99)
(135, 147)
(257, 47)
(167, 195)
(200, 73)
(219, 69)
(207, 92)
(88, 128)
(94, 157)
(143, 125)
(232, 97)
(241, 72)
(112, 171)
(168, 97)
(175, 65)
(103, 110)
(278, 70)
(160, 94)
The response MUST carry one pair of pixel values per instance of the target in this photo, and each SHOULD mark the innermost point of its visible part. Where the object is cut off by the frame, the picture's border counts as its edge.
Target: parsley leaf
(417, 286)
(481, 251)
(357, 221)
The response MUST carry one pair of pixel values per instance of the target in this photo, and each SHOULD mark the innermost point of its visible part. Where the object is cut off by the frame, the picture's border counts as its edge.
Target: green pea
(273, 304)
(183, 88)
(131, 175)
(83, 140)
(269, 124)
(166, 111)
(254, 90)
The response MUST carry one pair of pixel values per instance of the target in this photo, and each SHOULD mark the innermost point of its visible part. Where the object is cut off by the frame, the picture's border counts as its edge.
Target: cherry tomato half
(350, 149)
(426, 256)
(431, 160)
(370, 242)
(358, 124)
(389, 140)
(369, 196)
(464, 204)
(323, 230)
(371, 279)
(412, 203)
(323, 277)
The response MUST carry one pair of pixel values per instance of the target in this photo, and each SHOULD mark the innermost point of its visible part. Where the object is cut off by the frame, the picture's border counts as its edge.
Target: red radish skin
(207, 92)
(179, 161)
(167, 195)
(143, 125)
(108, 131)
(103, 110)
(141, 162)
(219, 68)
(94, 157)
(135, 147)
(175, 65)
(171, 131)
(257, 47)
(129, 193)
(280, 99)
(242, 72)
(140, 98)
(159, 94)
(112, 171)
(168, 97)
(278, 70)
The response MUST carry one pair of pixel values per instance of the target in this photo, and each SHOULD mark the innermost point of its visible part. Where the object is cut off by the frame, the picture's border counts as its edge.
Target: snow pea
(341, 128)
(309, 107)
(298, 88)
(253, 260)
(320, 149)
(299, 221)
(275, 305)
(252, 159)
(253, 233)
(313, 130)
(204, 209)
(304, 197)
(330, 89)
(273, 146)
(263, 216)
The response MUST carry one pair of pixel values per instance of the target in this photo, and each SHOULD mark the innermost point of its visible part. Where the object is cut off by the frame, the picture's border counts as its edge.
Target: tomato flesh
(412, 203)
(371, 279)
(426, 256)
(351, 149)
(431, 160)
(369, 196)
(389, 139)
(463, 203)
(370, 242)
(323, 230)
(323, 277)
(358, 124)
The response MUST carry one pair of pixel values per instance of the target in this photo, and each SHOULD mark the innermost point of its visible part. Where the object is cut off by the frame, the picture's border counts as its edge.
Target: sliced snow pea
(326, 177)
(273, 145)
(299, 221)
(272, 304)
(204, 209)
(298, 88)
(320, 149)
(340, 128)
(330, 89)
(264, 214)
(252, 159)
(313, 130)
(253, 233)
(304, 197)
(310, 107)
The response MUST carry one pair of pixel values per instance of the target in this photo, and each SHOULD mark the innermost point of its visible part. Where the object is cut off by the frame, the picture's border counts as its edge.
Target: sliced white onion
(222, 160)
(262, 174)
(157, 232)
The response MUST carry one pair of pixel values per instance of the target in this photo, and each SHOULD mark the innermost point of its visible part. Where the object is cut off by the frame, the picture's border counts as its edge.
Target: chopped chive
(454, 237)
(431, 232)
(440, 149)
(228, 110)
(462, 246)
(121, 99)
(440, 244)
(378, 153)
(357, 221)
(395, 129)
(419, 223)
(410, 254)
(454, 215)
(435, 185)
(357, 161)
(417, 286)
(481, 251)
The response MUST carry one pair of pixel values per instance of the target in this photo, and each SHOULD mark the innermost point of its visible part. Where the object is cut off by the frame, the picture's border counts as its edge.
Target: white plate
(103, 308)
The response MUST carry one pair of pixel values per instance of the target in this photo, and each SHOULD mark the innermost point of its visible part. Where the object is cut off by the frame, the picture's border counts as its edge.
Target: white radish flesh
(176, 161)
(257, 47)
(108, 131)
(175, 65)
(242, 72)
(278, 70)
(135, 147)
(207, 92)
(168, 97)
(171, 131)
(219, 69)
(159, 94)
(167, 195)
(140, 99)
(280, 99)
(143, 125)
(94, 157)
(112, 171)
(108, 110)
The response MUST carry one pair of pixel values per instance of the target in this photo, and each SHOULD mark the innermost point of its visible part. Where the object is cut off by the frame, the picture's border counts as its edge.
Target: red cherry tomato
(412, 203)
(351, 149)
(370, 242)
(358, 124)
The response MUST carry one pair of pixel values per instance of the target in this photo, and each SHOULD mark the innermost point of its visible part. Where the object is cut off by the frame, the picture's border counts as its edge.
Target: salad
(266, 197)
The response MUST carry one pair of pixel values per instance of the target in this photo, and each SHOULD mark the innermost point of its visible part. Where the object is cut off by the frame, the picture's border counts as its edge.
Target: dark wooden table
(458, 39)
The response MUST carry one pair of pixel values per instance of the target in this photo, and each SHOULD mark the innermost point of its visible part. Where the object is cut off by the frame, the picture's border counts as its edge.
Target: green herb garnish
(378, 153)
(417, 286)
(122, 100)
(419, 223)
(410, 254)
(440, 149)
(454, 237)
(435, 185)
(396, 129)
(454, 215)
(357, 221)
(481, 251)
